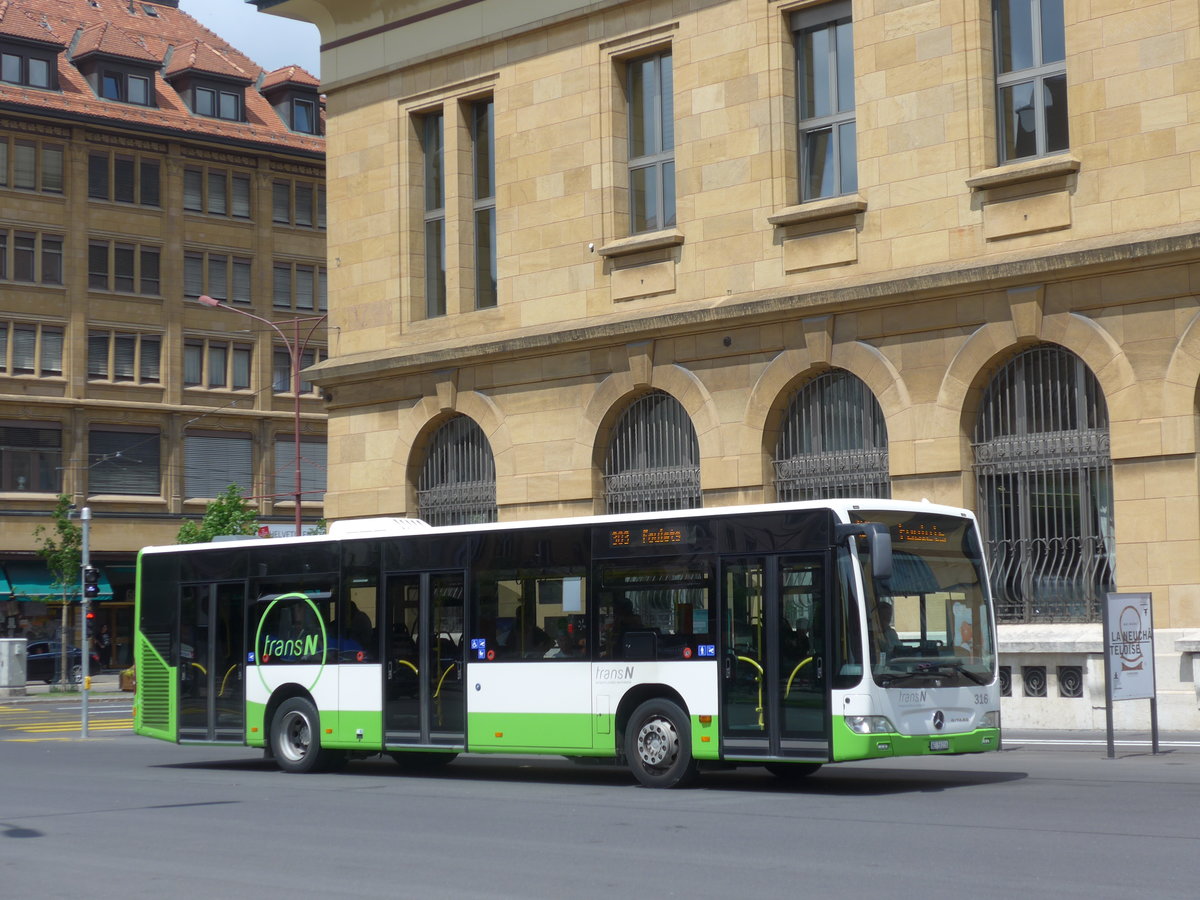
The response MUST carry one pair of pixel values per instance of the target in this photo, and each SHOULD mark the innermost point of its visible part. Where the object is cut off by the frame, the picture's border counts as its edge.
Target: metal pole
(294, 353)
(85, 516)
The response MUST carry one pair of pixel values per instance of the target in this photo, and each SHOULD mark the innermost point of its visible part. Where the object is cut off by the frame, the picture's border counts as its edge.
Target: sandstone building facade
(144, 161)
(613, 255)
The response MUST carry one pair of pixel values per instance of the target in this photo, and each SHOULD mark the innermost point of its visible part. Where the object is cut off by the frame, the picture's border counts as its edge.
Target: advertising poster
(1129, 645)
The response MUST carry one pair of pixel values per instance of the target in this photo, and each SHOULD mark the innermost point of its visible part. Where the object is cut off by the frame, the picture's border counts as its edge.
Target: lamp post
(295, 348)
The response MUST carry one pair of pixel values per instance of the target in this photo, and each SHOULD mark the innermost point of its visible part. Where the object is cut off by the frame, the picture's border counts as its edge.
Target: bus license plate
(939, 745)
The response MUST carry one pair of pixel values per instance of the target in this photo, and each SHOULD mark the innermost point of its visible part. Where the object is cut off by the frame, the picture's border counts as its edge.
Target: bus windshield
(929, 621)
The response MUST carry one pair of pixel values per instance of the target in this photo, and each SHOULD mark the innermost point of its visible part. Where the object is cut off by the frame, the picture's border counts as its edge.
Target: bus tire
(658, 745)
(296, 737)
(791, 771)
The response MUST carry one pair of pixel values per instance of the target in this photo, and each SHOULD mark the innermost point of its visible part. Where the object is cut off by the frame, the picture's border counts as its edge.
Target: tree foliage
(61, 546)
(227, 514)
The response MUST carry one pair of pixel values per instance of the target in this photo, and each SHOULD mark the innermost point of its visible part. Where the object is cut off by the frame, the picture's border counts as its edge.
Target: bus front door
(212, 653)
(424, 703)
(773, 685)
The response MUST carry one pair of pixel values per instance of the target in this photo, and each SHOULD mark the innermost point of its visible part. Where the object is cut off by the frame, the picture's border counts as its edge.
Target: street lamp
(295, 348)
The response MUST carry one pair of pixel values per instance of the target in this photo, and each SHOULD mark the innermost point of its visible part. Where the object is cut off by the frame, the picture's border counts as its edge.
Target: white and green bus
(784, 636)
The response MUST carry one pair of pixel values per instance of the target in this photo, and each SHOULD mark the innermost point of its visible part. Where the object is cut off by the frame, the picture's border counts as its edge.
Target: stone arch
(1181, 385)
(790, 368)
(990, 345)
(419, 422)
(614, 393)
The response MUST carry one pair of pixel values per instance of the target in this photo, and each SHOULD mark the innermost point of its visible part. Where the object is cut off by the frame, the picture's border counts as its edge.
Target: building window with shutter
(214, 461)
(120, 178)
(216, 364)
(217, 192)
(124, 461)
(28, 348)
(124, 357)
(124, 268)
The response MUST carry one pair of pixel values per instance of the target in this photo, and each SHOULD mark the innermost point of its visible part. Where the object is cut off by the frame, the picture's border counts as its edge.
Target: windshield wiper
(930, 668)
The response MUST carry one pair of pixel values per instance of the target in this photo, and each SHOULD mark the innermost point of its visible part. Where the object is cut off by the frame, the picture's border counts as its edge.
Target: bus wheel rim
(297, 736)
(658, 743)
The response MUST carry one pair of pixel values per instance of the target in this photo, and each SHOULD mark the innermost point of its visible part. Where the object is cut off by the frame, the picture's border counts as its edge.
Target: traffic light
(91, 582)
(91, 614)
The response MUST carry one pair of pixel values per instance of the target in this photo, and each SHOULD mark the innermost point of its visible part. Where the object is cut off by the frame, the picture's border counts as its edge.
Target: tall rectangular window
(216, 364)
(36, 349)
(122, 356)
(825, 92)
(433, 154)
(31, 457)
(483, 153)
(1031, 78)
(651, 104)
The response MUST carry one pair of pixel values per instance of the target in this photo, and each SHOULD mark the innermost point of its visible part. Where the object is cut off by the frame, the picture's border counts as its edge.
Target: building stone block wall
(938, 268)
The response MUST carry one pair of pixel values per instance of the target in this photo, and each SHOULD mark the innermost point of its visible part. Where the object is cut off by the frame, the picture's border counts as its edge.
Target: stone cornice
(1091, 258)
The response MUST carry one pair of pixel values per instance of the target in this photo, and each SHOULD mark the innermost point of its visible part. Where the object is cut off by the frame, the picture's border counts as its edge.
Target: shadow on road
(831, 780)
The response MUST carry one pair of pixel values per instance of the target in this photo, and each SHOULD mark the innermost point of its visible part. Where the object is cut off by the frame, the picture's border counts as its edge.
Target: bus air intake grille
(154, 680)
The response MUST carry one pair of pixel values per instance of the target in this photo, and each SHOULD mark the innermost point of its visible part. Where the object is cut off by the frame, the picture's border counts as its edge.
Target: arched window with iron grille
(458, 481)
(832, 442)
(653, 460)
(1043, 472)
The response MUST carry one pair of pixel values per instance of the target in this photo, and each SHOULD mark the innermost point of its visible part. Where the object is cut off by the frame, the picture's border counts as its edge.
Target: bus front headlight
(870, 724)
(991, 719)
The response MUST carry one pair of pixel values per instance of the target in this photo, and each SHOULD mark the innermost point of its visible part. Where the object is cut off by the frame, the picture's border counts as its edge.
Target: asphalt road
(118, 816)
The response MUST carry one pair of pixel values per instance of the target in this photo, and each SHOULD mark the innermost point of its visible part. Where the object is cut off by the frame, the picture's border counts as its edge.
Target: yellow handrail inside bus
(405, 662)
(449, 669)
(200, 667)
(221, 693)
(800, 665)
(759, 679)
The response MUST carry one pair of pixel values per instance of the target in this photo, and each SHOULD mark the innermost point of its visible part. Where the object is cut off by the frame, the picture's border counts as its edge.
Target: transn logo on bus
(613, 673)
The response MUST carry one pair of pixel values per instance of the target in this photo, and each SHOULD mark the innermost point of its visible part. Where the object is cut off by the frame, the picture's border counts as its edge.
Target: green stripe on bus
(848, 745)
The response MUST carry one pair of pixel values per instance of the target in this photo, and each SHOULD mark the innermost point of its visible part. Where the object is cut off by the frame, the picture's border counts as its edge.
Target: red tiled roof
(289, 75)
(19, 21)
(197, 56)
(125, 30)
(110, 40)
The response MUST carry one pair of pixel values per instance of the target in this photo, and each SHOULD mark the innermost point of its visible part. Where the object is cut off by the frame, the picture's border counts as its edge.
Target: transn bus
(788, 636)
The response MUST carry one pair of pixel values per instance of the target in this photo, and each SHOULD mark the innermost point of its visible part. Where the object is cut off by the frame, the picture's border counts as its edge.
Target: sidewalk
(107, 685)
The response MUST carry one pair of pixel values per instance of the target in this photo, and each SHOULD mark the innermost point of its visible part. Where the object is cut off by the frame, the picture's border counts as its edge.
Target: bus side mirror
(879, 545)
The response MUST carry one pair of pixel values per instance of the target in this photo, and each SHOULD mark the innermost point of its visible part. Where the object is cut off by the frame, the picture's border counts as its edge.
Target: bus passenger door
(773, 685)
(423, 698)
(212, 698)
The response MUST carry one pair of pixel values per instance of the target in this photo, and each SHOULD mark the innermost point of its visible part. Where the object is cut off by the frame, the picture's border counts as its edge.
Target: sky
(270, 41)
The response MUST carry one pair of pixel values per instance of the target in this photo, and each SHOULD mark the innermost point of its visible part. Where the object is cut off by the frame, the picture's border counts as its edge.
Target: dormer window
(26, 68)
(217, 104)
(304, 116)
(125, 87)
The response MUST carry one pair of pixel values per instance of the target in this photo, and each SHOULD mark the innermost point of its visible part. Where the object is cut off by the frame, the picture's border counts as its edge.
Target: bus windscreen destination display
(650, 536)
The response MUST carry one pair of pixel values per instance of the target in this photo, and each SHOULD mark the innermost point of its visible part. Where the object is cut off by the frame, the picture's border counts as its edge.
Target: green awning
(33, 581)
(5, 590)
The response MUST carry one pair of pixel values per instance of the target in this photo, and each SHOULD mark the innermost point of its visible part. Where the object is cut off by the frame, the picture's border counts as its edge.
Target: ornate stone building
(144, 162)
(617, 255)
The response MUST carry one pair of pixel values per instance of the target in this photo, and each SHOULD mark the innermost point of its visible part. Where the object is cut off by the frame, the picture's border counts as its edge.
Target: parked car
(43, 658)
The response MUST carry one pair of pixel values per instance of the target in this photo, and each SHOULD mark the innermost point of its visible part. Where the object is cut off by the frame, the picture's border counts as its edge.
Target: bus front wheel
(296, 737)
(658, 745)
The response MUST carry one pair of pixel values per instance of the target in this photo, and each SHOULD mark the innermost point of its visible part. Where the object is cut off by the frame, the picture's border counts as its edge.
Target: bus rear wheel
(658, 745)
(296, 737)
